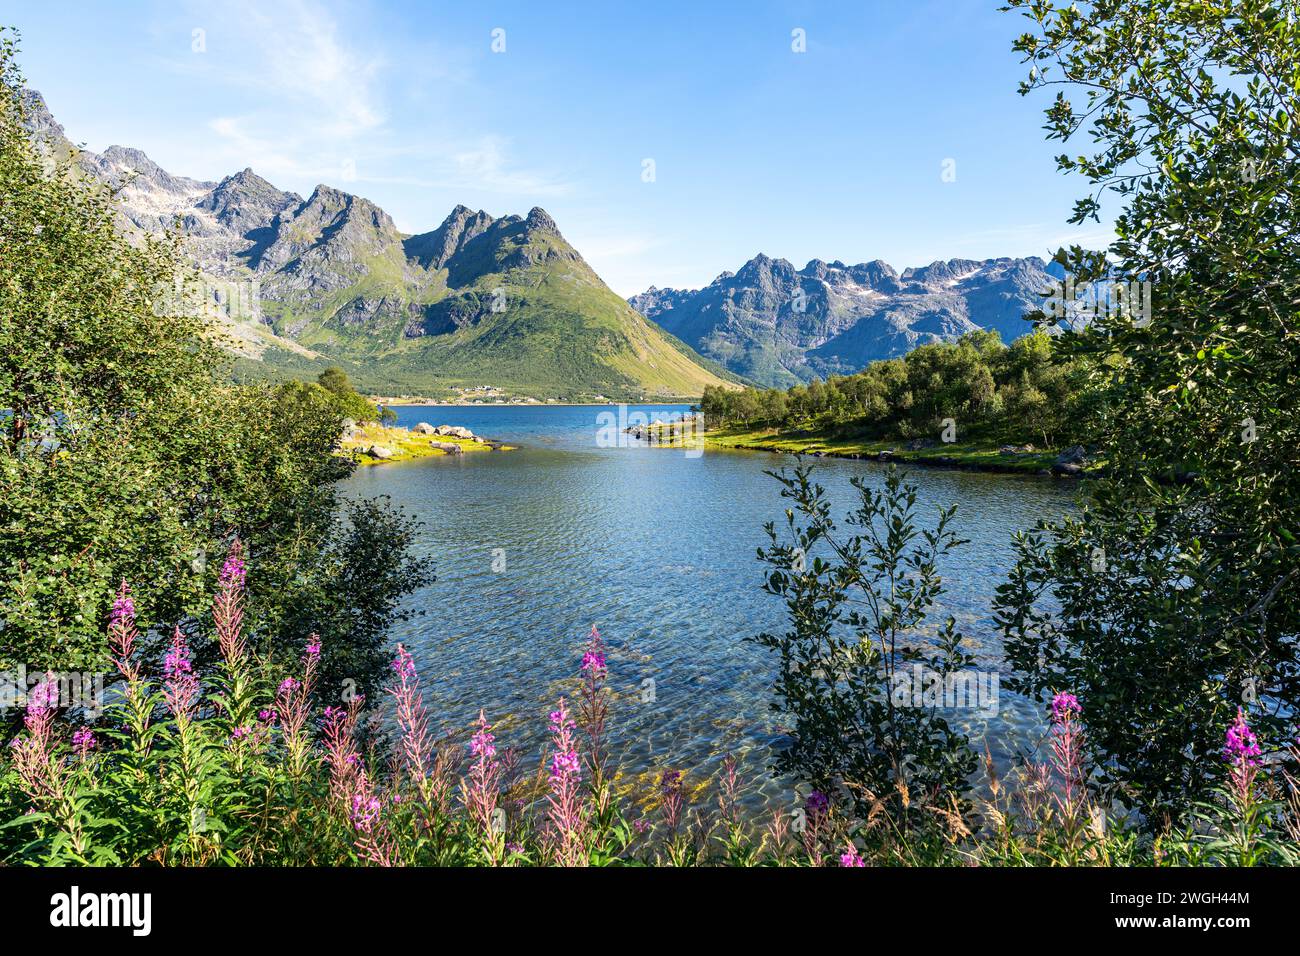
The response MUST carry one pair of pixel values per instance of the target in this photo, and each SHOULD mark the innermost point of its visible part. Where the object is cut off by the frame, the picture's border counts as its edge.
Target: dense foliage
(127, 453)
(1171, 600)
(1019, 392)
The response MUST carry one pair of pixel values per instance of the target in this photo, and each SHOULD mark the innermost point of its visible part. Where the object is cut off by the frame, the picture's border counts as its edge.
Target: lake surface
(657, 549)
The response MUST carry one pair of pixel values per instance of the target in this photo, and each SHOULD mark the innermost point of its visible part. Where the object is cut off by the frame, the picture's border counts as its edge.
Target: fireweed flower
(403, 665)
(1240, 744)
(1241, 749)
(592, 711)
(123, 610)
(671, 799)
(482, 788)
(1065, 706)
(83, 741)
(234, 572)
(729, 789)
(180, 685)
(482, 744)
(1067, 761)
(565, 799)
(40, 773)
(339, 733)
(228, 605)
(817, 804)
(427, 774)
(851, 857)
(122, 633)
(313, 648)
(293, 707)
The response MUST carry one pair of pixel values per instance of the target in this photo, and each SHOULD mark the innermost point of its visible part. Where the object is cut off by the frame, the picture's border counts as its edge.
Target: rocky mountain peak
(245, 201)
(432, 250)
(539, 218)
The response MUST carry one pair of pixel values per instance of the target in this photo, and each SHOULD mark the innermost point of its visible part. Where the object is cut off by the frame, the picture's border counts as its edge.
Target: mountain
(778, 325)
(480, 302)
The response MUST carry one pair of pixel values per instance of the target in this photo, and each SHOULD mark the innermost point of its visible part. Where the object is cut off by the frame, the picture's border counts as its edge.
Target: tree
(128, 454)
(1169, 601)
(351, 403)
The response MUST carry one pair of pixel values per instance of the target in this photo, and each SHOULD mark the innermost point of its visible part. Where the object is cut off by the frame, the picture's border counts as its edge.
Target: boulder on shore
(451, 448)
(382, 452)
(1070, 462)
(424, 428)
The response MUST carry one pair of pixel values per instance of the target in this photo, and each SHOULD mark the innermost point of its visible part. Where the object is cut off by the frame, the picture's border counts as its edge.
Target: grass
(974, 455)
(405, 443)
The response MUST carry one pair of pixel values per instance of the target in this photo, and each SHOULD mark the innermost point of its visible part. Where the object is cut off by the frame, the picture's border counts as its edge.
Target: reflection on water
(657, 548)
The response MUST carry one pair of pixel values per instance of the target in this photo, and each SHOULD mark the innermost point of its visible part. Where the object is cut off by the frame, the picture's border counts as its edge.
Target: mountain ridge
(779, 325)
(478, 301)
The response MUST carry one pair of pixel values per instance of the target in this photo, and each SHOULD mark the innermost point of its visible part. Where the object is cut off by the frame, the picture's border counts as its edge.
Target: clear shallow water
(658, 550)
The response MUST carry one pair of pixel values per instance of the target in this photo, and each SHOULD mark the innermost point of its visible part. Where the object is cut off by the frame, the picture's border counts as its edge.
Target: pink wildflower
(851, 857)
(1241, 749)
(568, 819)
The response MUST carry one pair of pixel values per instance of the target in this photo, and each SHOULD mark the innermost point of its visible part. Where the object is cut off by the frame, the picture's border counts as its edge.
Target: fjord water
(657, 548)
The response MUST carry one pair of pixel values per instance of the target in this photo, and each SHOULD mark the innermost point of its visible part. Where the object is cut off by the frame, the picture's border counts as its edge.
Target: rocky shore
(372, 444)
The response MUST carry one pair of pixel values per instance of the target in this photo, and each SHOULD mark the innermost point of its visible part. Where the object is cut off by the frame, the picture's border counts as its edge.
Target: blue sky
(837, 152)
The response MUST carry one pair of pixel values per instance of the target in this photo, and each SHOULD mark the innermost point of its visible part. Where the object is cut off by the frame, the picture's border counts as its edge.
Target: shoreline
(964, 456)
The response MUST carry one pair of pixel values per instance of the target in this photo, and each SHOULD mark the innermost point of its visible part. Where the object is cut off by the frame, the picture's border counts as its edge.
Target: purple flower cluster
(234, 572)
(1064, 707)
(1241, 747)
(403, 664)
(482, 744)
(123, 612)
(83, 741)
(181, 687)
(817, 804)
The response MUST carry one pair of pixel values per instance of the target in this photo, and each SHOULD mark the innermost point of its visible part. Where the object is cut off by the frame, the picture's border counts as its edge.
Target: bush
(845, 680)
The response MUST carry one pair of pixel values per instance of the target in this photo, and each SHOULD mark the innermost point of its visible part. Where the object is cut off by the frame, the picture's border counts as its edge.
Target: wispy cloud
(315, 106)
